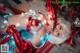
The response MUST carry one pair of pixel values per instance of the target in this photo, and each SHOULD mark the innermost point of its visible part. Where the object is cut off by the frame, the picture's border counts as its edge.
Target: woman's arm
(37, 38)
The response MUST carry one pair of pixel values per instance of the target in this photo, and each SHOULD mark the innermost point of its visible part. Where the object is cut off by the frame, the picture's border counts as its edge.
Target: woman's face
(59, 30)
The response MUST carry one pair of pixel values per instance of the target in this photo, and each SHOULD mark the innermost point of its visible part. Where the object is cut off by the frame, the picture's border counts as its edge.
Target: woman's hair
(66, 25)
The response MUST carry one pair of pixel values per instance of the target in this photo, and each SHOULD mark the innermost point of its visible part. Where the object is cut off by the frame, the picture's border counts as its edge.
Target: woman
(57, 36)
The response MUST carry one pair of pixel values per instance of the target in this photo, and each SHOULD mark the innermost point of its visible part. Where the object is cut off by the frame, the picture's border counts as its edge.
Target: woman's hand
(10, 29)
(42, 31)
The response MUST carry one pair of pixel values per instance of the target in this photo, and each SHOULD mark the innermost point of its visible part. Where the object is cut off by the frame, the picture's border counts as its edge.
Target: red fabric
(30, 48)
(26, 46)
(4, 40)
(44, 49)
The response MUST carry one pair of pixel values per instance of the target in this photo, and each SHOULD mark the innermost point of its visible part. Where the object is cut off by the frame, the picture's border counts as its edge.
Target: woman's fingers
(10, 29)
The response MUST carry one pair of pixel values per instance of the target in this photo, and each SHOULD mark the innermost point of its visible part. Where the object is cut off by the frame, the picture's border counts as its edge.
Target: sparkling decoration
(3, 26)
(77, 22)
(18, 24)
(22, 14)
(5, 21)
